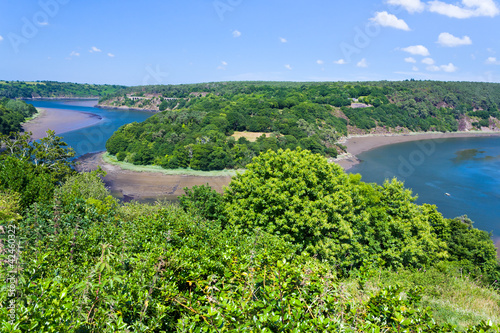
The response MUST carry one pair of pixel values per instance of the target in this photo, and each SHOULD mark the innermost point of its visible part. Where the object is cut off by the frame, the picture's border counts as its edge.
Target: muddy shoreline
(146, 186)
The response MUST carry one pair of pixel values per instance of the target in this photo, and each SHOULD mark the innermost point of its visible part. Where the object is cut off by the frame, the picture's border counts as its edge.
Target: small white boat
(448, 194)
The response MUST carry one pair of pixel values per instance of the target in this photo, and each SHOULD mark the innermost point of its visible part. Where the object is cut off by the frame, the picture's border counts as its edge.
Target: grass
(250, 136)
(455, 299)
(106, 157)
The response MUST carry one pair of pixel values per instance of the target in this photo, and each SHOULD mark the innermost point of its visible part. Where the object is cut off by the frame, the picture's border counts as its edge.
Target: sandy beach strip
(59, 120)
(358, 144)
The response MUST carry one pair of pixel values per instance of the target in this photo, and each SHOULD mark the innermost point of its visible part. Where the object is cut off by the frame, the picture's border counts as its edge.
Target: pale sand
(128, 185)
(59, 121)
(359, 144)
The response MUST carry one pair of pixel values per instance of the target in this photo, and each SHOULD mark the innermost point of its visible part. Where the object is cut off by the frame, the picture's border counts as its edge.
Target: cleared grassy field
(250, 136)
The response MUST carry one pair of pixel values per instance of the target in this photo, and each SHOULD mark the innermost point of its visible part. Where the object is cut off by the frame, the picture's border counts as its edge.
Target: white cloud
(94, 49)
(469, 8)
(320, 62)
(388, 20)
(411, 6)
(1, 38)
(410, 60)
(428, 61)
(283, 40)
(236, 34)
(111, 55)
(288, 67)
(448, 40)
(362, 63)
(74, 54)
(415, 68)
(450, 68)
(223, 63)
(492, 61)
(417, 50)
(340, 62)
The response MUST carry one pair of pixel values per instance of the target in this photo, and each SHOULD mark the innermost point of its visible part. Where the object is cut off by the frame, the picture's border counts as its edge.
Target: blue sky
(188, 41)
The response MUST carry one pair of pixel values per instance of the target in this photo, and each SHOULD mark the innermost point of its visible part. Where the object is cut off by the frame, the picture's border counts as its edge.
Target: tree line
(53, 89)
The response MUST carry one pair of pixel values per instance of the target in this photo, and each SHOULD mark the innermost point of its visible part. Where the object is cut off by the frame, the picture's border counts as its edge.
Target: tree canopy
(211, 126)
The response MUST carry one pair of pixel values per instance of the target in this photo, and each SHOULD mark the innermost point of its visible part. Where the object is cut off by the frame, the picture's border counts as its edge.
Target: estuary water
(461, 176)
(93, 138)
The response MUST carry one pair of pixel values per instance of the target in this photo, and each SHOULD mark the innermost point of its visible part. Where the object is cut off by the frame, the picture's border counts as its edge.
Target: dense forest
(293, 245)
(207, 126)
(52, 89)
(13, 113)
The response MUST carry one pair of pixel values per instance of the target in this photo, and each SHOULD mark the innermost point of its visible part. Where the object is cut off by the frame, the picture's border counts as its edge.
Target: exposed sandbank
(359, 144)
(129, 185)
(60, 121)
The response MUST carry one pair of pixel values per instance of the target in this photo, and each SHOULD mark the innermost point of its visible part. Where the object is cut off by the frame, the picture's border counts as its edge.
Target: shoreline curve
(359, 144)
(60, 121)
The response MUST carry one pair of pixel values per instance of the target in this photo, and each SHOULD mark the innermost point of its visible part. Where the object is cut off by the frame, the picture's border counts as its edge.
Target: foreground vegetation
(293, 245)
(196, 124)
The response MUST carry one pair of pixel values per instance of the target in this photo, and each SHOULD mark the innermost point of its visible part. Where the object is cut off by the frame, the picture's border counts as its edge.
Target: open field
(250, 136)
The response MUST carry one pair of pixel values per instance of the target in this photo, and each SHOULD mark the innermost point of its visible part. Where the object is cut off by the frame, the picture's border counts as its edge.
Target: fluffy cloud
(428, 61)
(111, 55)
(74, 54)
(1, 38)
(492, 61)
(236, 34)
(469, 8)
(448, 40)
(412, 6)
(94, 49)
(417, 50)
(287, 66)
(450, 68)
(388, 20)
(320, 62)
(283, 40)
(223, 63)
(410, 60)
(340, 62)
(362, 63)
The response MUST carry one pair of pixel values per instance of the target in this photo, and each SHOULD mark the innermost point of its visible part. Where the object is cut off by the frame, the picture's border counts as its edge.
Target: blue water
(461, 176)
(93, 138)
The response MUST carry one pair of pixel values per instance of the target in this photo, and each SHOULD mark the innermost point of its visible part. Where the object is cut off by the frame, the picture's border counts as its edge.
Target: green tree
(310, 202)
(297, 195)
